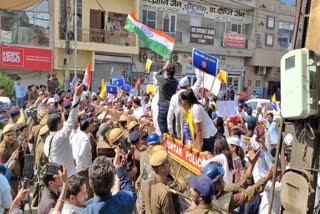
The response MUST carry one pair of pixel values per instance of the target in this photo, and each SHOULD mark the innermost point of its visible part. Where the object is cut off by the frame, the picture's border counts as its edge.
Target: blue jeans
(208, 144)
(20, 102)
(162, 119)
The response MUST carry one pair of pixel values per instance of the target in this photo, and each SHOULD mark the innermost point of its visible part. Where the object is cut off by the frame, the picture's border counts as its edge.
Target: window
(285, 35)
(169, 22)
(269, 40)
(257, 82)
(249, 82)
(270, 22)
(149, 18)
(220, 29)
(236, 28)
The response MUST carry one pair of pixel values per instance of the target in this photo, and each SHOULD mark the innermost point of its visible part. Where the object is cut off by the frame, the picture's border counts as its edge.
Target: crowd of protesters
(94, 154)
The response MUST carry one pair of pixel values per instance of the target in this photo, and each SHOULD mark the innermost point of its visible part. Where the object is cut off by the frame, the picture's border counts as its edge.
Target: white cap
(288, 139)
(259, 105)
(254, 144)
(51, 100)
(234, 141)
(184, 82)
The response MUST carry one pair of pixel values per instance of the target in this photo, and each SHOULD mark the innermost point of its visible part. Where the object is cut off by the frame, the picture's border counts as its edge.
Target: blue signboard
(112, 88)
(118, 81)
(259, 91)
(205, 62)
(126, 88)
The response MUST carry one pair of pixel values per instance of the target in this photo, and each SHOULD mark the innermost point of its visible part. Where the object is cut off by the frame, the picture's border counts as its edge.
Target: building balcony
(24, 28)
(121, 38)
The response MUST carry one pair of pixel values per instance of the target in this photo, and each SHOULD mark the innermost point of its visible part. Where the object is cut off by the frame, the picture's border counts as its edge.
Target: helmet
(153, 139)
(213, 171)
(157, 148)
(214, 104)
(103, 129)
(114, 135)
(132, 124)
(123, 118)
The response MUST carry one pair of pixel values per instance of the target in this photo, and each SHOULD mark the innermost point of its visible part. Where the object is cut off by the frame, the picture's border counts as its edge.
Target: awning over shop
(17, 4)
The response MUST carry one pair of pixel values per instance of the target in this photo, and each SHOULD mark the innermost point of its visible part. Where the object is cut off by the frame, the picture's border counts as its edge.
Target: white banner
(192, 9)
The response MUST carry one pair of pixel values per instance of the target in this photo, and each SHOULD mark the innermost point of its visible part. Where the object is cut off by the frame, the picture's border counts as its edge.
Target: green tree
(8, 84)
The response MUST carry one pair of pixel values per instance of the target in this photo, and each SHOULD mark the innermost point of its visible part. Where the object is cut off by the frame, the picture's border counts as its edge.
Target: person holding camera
(53, 179)
(102, 175)
(57, 146)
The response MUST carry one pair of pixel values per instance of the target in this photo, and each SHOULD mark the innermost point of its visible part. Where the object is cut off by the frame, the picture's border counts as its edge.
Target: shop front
(33, 65)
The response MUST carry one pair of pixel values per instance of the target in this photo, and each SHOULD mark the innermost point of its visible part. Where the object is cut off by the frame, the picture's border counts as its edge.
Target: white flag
(212, 83)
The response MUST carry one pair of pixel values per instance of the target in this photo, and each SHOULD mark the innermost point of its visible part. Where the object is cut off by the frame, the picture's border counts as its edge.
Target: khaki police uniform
(155, 195)
(6, 151)
(203, 209)
(237, 194)
(40, 160)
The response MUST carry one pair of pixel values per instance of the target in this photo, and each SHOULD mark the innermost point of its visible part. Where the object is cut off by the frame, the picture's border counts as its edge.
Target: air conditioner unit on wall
(143, 56)
(160, 58)
(175, 58)
(261, 71)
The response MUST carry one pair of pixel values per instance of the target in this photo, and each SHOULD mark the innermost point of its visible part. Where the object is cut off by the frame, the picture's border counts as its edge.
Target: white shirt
(138, 112)
(222, 159)
(254, 96)
(81, 150)
(174, 102)
(155, 111)
(5, 194)
(61, 150)
(199, 115)
(264, 205)
(242, 114)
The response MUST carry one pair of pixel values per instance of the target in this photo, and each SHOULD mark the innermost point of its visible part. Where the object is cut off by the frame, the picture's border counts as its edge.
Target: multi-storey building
(25, 45)
(223, 29)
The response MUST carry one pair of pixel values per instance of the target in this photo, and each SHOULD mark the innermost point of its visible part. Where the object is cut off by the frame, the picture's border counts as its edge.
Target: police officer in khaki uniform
(202, 190)
(230, 197)
(8, 145)
(155, 192)
(34, 135)
(41, 160)
(104, 148)
(123, 125)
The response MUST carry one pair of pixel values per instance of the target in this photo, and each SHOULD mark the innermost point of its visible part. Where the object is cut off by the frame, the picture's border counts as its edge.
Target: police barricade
(183, 164)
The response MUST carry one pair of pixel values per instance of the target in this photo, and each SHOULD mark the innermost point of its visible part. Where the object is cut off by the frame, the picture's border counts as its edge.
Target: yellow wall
(84, 57)
(118, 6)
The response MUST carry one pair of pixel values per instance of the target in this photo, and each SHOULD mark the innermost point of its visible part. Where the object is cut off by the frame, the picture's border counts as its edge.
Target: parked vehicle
(253, 103)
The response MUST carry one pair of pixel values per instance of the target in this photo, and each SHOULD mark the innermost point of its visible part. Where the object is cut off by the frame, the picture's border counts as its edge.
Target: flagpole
(75, 37)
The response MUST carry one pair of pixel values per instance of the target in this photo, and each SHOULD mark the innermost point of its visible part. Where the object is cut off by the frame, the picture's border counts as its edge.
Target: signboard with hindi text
(184, 156)
(194, 9)
(201, 35)
(234, 40)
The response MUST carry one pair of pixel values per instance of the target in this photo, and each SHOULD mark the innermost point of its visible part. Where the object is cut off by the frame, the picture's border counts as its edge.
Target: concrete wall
(123, 6)
(28, 77)
(265, 55)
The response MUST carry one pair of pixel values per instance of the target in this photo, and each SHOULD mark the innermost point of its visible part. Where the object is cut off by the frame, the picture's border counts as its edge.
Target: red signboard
(184, 156)
(234, 40)
(25, 58)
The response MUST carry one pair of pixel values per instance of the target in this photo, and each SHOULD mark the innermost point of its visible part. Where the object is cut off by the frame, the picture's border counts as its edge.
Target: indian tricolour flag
(156, 40)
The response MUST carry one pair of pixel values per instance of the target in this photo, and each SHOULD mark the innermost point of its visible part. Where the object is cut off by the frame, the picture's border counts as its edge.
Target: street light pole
(75, 37)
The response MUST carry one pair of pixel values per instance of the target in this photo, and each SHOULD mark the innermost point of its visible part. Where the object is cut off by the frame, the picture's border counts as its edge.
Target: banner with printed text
(194, 9)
